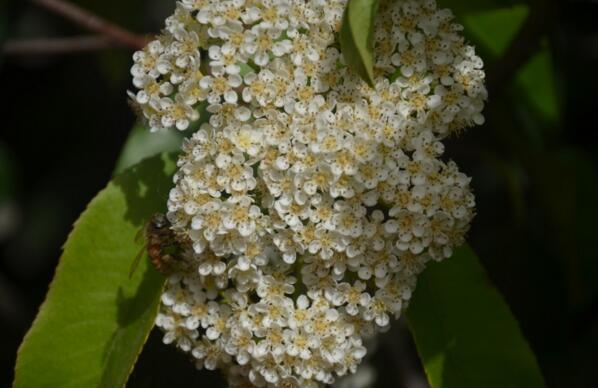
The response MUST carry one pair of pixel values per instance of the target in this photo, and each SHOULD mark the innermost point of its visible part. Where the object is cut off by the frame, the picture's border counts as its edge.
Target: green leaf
(536, 78)
(465, 333)
(463, 7)
(357, 37)
(141, 144)
(495, 29)
(95, 319)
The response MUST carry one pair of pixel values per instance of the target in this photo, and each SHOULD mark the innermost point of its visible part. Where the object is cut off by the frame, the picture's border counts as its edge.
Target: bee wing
(135, 262)
(140, 235)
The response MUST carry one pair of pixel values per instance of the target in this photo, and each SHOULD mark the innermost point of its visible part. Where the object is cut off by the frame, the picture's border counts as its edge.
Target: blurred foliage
(7, 173)
(536, 186)
(537, 81)
(494, 29)
(533, 165)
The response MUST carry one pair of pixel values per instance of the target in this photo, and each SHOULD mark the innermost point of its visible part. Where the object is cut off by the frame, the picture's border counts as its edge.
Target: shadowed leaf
(465, 333)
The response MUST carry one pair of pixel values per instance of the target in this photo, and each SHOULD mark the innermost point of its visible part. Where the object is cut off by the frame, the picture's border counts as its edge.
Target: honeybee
(160, 243)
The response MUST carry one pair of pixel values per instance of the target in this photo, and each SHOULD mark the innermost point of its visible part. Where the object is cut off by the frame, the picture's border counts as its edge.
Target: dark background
(64, 120)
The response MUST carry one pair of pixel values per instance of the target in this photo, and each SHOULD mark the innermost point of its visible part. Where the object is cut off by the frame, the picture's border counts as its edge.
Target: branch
(94, 23)
(58, 45)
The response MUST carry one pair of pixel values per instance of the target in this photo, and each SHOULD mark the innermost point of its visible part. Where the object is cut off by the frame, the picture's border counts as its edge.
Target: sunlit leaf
(465, 333)
(357, 37)
(142, 144)
(95, 319)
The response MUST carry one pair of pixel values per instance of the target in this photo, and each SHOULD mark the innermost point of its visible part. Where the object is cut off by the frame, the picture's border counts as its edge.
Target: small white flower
(307, 203)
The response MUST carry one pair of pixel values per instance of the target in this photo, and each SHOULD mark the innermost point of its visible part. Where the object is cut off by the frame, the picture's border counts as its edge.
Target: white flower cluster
(309, 202)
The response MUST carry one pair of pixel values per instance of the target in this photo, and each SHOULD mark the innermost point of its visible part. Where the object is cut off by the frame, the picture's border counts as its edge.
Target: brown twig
(58, 45)
(94, 23)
